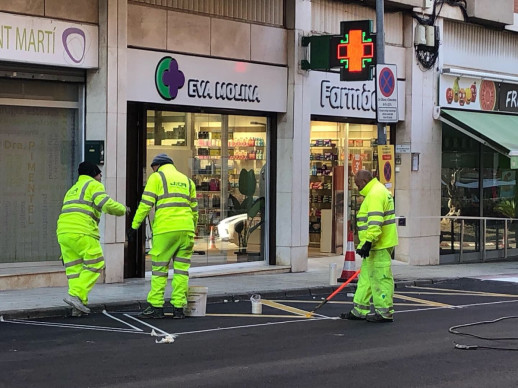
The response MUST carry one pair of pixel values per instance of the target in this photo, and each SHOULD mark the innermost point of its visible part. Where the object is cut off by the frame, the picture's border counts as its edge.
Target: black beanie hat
(88, 168)
(161, 159)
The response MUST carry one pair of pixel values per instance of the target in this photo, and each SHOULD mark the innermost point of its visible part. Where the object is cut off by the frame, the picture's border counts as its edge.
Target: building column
(106, 120)
(418, 193)
(293, 137)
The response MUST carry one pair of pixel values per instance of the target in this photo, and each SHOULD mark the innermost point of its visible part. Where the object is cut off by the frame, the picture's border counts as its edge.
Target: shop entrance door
(134, 255)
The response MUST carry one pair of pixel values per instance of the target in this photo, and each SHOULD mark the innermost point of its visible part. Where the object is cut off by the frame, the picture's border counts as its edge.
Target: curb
(139, 305)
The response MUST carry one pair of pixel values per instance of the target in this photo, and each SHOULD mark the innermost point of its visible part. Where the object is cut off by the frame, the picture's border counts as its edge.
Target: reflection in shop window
(166, 128)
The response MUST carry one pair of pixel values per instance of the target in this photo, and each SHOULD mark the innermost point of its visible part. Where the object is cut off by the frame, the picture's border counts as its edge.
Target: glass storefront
(225, 156)
(334, 147)
(476, 182)
(40, 143)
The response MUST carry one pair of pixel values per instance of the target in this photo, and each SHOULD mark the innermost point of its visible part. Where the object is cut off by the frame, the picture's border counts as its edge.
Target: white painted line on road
(121, 321)
(452, 307)
(464, 292)
(72, 326)
(147, 324)
(422, 301)
(254, 316)
(248, 326)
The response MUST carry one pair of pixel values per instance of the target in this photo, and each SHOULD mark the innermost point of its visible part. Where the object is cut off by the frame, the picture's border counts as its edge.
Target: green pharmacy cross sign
(353, 51)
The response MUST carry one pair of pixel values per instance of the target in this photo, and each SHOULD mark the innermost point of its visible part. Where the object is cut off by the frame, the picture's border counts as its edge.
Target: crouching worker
(377, 232)
(176, 216)
(78, 234)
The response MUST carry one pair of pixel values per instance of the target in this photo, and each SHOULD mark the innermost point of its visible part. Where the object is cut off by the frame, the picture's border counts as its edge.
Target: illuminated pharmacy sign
(354, 51)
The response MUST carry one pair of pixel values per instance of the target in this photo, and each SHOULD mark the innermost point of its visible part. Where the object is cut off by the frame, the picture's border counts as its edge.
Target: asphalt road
(230, 347)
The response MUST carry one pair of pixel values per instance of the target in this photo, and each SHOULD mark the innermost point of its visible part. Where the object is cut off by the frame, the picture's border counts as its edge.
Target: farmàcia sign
(48, 42)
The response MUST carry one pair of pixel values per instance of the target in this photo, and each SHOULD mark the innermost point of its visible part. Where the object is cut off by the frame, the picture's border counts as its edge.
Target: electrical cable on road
(453, 330)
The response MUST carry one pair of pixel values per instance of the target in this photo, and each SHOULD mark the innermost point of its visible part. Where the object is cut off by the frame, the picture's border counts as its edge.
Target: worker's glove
(131, 233)
(365, 249)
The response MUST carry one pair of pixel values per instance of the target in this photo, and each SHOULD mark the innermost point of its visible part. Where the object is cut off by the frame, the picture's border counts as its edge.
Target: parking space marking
(463, 292)
(254, 315)
(454, 307)
(294, 314)
(255, 325)
(283, 307)
(421, 301)
(147, 324)
(72, 326)
(120, 320)
(345, 302)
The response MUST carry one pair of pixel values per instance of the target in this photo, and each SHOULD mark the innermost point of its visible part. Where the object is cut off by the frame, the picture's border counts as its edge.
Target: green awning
(498, 131)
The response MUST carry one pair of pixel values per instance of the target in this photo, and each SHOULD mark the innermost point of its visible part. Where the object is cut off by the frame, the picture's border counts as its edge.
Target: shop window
(476, 181)
(337, 152)
(226, 157)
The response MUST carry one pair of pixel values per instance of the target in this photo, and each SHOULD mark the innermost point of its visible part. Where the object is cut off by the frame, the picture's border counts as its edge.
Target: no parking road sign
(386, 94)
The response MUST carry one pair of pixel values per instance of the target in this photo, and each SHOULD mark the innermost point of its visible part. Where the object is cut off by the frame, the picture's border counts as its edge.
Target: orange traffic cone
(349, 262)
(212, 240)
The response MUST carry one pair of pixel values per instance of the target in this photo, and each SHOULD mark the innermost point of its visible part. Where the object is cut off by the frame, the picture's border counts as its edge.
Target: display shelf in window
(246, 142)
(323, 143)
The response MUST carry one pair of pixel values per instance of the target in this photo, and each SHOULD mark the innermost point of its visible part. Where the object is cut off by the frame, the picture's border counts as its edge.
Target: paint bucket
(257, 306)
(196, 301)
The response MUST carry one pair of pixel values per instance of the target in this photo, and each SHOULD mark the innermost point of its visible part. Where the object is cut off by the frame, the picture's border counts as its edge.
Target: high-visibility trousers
(376, 282)
(178, 247)
(84, 261)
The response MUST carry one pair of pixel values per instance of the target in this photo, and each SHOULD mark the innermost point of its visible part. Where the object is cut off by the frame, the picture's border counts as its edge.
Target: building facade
(271, 147)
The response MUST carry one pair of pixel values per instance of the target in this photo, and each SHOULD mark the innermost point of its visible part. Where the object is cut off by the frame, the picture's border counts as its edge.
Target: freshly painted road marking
(283, 307)
(457, 306)
(147, 324)
(120, 320)
(255, 325)
(254, 315)
(421, 301)
(299, 314)
(338, 302)
(465, 292)
(72, 326)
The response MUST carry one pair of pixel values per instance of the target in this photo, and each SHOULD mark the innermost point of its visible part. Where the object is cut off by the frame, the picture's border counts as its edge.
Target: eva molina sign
(187, 80)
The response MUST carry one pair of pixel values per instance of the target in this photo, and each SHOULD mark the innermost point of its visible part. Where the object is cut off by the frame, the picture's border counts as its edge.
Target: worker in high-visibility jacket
(377, 232)
(173, 195)
(78, 234)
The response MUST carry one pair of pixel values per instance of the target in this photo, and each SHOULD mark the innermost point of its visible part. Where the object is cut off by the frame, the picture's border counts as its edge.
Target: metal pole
(380, 49)
(484, 225)
(506, 232)
(461, 240)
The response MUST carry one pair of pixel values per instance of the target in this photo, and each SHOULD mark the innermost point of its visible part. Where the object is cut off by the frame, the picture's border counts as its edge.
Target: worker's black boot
(152, 313)
(351, 316)
(178, 313)
(376, 318)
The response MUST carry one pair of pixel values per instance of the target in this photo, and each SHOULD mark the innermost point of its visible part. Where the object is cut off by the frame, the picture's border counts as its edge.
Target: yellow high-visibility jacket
(174, 196)
(376, 219)
(82, 207)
